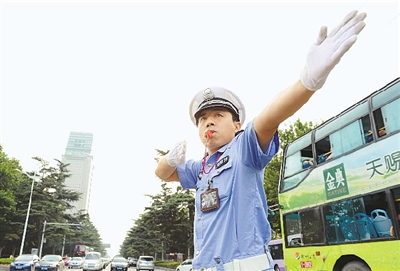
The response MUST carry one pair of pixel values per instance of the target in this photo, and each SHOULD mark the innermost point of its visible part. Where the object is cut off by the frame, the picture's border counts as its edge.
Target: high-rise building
(78, 155)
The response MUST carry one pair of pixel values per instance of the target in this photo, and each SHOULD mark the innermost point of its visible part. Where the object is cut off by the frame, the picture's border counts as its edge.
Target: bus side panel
(362, 171)
(322, 258)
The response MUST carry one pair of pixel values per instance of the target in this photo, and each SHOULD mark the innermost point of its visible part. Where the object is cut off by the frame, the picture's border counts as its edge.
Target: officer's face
(216, 128)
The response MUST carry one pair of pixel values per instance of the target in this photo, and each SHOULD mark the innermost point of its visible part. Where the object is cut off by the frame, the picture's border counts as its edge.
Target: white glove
(177, 155)
(326, 52)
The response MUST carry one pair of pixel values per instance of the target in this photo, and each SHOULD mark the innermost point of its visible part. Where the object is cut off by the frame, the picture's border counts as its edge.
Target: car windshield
(119, 260)
(24, 258)
(77, 259)
(92, 257)
(50, 258)
(146, 258)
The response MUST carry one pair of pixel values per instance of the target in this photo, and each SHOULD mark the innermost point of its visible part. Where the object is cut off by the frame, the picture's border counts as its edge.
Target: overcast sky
(126, 71)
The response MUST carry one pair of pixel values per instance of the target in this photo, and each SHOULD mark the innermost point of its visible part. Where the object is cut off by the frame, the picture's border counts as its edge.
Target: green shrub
(167, 264)
(6, 260)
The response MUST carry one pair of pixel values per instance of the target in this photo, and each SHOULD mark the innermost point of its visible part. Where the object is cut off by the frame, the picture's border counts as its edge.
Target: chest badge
(222, 162)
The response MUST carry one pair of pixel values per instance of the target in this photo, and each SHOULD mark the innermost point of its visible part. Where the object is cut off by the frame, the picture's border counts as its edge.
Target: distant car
(145, 263)
(105, 261)
(119, 263)
(50, 262)
(93, 262)
(132, 261)
(76, 262)
(185, 266)
(24, 262)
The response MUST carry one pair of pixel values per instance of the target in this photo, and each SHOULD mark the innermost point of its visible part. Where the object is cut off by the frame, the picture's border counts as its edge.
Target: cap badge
(208, 94)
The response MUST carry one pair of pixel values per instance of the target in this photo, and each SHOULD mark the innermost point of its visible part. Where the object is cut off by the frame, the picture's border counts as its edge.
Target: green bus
(339, 189)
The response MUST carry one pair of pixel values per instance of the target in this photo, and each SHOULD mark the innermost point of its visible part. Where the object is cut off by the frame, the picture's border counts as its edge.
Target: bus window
(351, 136)
(323, 149)
(367, 128)
(293, 180)
(332, 226)
(295, 240)
(339, 217)
(391, 117)
(386, 106)
(310, 221)
(396, 199)
(356, 219)
(306, 157)
(304, 228)
(299, 160)
(299, 155)
(292, 229)
(379, 124)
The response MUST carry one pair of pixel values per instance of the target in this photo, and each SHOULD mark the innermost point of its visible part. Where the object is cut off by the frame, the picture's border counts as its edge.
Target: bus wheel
(356, 266)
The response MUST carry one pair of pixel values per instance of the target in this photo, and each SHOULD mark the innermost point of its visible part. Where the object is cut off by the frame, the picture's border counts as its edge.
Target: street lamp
(34, 178)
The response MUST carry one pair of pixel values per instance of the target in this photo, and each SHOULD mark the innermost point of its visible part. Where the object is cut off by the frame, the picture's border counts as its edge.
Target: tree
(272, 171)
(159, 229)
(15, 189)
(45, 206)
(8, 184)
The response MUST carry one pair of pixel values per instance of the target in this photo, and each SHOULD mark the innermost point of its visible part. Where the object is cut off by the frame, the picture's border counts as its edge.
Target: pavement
(4, 267)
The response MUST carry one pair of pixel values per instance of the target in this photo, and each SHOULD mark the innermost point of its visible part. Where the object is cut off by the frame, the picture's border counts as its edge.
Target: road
(7, 268)
(130, 269)
(134, 269)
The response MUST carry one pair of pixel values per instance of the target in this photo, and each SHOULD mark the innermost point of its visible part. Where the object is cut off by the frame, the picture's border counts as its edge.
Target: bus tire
(356, 266)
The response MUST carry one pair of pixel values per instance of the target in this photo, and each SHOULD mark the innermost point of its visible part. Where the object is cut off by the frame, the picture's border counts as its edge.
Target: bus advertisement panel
(339, 189)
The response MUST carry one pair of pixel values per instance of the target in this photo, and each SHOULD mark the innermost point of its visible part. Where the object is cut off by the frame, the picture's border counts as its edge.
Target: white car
(145, 263)
(76, 262)
(185, 266)
(93, 262)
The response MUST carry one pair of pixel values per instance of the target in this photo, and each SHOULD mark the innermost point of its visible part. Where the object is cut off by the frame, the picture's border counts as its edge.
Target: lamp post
(33, 178)
(41, 241)
(62, 251)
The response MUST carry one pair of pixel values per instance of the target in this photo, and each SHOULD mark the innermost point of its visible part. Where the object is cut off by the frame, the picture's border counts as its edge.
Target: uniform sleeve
(188, 174)
(250, 150)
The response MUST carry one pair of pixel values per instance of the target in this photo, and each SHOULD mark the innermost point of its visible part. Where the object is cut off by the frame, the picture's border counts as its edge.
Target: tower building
(78, 155)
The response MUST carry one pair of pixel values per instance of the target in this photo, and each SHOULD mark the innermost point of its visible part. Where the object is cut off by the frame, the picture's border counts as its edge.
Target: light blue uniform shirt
(239, 228)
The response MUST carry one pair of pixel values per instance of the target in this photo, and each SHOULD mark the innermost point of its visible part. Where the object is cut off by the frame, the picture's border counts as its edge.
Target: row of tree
(15, 192)
(166, 227)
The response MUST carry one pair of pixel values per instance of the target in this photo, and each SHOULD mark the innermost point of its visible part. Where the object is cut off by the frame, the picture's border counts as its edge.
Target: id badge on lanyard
(209, 199)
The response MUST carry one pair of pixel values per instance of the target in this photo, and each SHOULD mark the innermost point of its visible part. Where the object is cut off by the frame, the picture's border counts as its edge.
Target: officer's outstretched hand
(327, 51)
(177, 155)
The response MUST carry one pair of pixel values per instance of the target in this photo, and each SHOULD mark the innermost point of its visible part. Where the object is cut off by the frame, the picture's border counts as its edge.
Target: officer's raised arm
(166, 167)
(323, 56)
